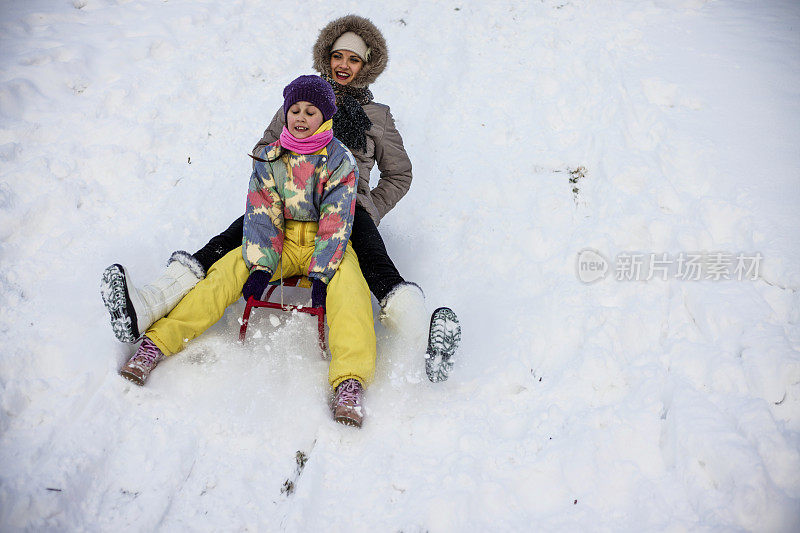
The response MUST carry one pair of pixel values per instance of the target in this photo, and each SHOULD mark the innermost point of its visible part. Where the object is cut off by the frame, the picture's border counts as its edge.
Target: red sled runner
(296, 281)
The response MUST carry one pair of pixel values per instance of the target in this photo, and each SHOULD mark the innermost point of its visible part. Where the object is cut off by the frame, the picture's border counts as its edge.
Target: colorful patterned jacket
(301, 188)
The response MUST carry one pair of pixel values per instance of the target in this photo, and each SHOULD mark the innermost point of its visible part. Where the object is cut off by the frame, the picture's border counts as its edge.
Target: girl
(350, 53)
(299, 217)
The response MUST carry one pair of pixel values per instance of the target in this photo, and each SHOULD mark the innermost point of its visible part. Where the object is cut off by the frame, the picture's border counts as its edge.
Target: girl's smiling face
(345, 65)
(303, 119)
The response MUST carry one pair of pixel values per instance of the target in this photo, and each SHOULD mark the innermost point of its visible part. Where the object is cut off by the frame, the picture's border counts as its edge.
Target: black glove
(256, 284)
(319, 291)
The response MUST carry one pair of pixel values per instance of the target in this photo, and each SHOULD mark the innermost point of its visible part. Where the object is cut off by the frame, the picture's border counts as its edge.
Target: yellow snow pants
(348, 305)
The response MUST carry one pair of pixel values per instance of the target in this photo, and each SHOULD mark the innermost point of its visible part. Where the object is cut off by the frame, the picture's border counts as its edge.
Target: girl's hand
(256, 284)
(319, 291)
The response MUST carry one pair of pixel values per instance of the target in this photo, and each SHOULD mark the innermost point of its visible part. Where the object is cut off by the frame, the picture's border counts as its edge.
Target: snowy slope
(614, 406)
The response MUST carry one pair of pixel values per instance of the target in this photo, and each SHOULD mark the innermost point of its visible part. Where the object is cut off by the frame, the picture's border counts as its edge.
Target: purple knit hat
(311, 89)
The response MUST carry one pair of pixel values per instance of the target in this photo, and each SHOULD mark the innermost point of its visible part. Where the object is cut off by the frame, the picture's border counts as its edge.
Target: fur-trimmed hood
(378, 56)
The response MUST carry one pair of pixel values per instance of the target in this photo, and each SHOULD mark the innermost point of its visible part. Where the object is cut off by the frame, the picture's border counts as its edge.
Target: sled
(297, 281)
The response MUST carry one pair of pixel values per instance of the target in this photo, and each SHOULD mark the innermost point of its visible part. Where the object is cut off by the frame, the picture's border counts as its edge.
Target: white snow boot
(403, 311)
(443, 342)
(133, 310)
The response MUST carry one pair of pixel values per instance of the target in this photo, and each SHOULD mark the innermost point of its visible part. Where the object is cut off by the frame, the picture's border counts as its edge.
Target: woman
(350, 53)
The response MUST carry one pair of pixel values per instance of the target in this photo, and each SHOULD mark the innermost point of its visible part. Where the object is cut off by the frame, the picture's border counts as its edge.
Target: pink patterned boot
(347, 403)
(142, 363)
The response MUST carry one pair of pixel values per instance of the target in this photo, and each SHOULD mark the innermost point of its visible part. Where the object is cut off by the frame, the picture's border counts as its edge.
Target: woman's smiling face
(345, 65)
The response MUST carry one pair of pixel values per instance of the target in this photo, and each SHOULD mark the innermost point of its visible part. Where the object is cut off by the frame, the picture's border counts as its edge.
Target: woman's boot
(133, 310)
(403, 311)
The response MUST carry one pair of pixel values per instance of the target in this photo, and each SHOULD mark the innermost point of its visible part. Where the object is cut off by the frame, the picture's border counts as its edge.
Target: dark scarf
(350, 123)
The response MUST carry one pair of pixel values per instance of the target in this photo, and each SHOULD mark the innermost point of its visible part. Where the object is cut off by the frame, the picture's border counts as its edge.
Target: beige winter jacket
(384, 147)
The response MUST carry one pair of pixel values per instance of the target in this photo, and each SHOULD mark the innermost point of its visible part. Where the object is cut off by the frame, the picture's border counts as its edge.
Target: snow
(661, 405)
